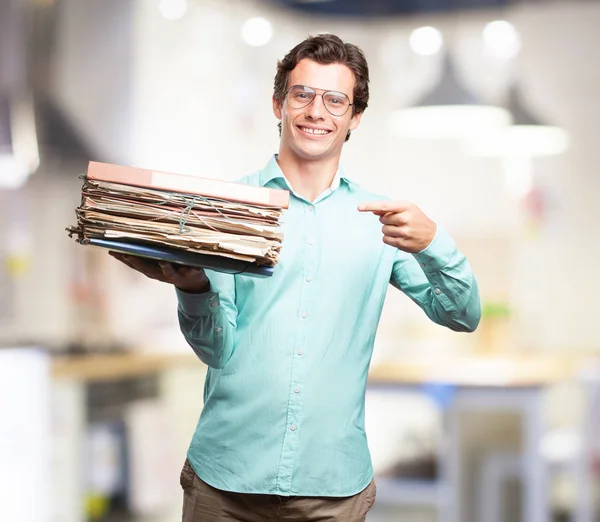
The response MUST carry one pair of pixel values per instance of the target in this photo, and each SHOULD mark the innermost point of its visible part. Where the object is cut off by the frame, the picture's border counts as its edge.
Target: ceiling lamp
(426, 41)
(18, 141)
(173, 9)
(518, 144)
(501, 40)
(448, 111)
(526, 137)
(257, 31)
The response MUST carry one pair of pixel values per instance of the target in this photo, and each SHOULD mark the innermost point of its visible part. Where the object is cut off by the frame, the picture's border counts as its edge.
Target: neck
(309, 179)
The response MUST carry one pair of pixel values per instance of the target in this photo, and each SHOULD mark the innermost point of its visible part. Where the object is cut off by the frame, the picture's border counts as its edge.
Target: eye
(337, 99)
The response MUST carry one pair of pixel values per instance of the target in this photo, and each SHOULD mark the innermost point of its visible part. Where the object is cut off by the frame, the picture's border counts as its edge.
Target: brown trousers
(203, 503)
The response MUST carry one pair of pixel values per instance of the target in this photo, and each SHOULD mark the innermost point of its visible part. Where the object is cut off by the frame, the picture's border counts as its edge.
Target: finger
(146, 267)
(377, 207)
(393, 241)
(189, 271)
(395, 218)
(179, 274)
(121, 258)
(383, 206)
(394, 231)
(168, 271)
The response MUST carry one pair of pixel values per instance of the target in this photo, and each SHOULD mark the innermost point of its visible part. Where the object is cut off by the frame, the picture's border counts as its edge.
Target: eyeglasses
(300, 96)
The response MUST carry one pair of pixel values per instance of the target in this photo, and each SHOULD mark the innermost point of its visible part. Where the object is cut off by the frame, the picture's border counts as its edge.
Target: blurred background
(483, 112)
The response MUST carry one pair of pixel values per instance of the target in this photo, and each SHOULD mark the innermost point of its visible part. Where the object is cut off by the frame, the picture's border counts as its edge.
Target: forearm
(453, 301)
(440, 280)
(452, 295)
(206, 327)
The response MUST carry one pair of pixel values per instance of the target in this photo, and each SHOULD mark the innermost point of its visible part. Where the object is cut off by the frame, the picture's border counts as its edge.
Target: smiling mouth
(314, 132)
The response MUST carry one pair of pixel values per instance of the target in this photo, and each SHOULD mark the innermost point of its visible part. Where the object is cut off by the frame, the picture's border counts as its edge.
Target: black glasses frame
(318, 94)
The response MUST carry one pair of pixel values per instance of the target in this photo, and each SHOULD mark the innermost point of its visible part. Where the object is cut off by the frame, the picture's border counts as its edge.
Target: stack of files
(202, 222)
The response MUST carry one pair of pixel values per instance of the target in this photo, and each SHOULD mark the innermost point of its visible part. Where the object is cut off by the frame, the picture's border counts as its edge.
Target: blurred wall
(93, 73)
(190, 96)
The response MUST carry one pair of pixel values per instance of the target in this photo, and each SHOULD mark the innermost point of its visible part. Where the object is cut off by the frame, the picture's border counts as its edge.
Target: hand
(405, 226)
(187, 278)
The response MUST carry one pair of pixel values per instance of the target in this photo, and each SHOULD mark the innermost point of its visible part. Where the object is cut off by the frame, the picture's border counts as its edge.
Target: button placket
(299, 364)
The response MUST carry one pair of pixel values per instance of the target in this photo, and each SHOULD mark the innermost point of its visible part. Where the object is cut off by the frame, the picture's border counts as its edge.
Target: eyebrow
(319, 89)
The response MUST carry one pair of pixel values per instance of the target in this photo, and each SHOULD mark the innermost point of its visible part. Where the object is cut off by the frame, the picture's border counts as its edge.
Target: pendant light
(528, 136)
(518, 144)
(448, 111)
(18, 141)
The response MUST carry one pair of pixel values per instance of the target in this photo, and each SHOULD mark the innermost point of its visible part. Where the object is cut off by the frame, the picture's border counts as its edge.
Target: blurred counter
(509, 370)
(107, 367)
(482, 371)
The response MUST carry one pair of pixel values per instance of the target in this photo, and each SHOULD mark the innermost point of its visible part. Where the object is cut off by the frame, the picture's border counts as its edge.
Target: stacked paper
(180, 213)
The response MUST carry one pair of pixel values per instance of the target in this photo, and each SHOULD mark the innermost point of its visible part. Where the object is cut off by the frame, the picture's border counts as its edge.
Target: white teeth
(315, 131)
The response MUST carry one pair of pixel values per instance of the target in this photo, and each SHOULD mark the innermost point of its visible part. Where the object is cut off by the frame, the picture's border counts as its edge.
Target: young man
(281, 435)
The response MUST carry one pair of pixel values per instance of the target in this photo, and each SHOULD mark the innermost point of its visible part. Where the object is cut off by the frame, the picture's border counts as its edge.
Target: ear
(355, 121)
(277, 108)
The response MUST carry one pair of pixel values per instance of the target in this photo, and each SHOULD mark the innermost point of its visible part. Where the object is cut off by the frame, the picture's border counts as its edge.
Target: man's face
(312, 132)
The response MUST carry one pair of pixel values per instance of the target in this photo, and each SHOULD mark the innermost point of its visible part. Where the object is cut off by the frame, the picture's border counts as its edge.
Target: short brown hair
(326, 49)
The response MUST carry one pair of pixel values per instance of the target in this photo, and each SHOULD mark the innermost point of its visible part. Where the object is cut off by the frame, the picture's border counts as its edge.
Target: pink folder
(172, 182)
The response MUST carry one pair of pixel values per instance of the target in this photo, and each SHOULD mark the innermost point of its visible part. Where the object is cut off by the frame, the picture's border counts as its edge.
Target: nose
(316, 109)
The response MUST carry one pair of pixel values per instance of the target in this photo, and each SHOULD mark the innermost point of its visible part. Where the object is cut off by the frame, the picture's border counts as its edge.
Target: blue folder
(182, 257)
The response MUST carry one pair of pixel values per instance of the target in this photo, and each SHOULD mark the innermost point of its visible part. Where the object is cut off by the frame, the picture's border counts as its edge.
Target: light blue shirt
(288, 355)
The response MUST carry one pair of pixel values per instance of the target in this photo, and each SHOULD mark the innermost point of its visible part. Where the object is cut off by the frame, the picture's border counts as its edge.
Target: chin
(314, 154)
(315, 149)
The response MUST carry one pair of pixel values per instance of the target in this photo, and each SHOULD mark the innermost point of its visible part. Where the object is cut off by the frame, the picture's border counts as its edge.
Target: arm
(207, 313)
(427, 266)
(208, 320)
(439, 279)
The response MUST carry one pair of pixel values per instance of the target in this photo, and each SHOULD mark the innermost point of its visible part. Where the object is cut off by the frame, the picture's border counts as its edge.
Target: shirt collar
(272, 171)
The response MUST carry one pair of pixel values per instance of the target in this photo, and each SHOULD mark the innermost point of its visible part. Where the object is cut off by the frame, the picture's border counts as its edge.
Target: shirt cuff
(438, 253)
(196, 305)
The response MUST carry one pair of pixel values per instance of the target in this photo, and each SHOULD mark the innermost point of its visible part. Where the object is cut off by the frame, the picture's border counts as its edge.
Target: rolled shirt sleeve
(440, 280)
(208, 320)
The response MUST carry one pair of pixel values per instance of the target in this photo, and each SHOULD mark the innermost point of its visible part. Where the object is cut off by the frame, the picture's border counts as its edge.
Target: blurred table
(113, 366)
(474, 371)
(504, 383)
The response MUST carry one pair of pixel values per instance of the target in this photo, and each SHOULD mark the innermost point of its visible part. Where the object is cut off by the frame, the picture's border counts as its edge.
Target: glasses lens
(336, 102)
(300, 96)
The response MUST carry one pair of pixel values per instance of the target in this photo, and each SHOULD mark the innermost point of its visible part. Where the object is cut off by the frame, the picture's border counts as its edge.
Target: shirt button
(213, 304)
(304, 315)
(438, 291)
(296, 389)
(293, 427)
(311, 241)
(212, 297)
(300, 352)
(423, 265)
(308, 279)
(219, 329)
(310, 209)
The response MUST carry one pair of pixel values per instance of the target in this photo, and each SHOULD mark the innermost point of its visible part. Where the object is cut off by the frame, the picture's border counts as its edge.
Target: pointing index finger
(382, 207)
